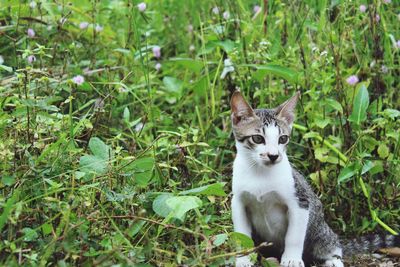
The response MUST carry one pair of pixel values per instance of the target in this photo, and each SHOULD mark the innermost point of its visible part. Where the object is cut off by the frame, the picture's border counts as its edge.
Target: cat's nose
(273, 157)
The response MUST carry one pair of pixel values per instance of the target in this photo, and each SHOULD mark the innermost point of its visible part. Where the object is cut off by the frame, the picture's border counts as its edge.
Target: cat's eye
(258, 139)
(283, 139)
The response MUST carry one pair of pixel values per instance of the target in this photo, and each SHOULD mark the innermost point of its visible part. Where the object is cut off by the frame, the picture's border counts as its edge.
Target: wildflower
(190, 28)
(398, 44)
(142, 7)
(384, 69)
(1, 60)
(98, 28)
(192, 48)
(352, 80)
(32, 4)
(31, 33)
(256, 9)
(377, 18)
(139, 127)
(363, 8)
(78, 79)
(228, 67)
(387, 1)
(158, 66)
(83, 25)
(226, 15)
(215, 10)
(31, 59)
(157, 51)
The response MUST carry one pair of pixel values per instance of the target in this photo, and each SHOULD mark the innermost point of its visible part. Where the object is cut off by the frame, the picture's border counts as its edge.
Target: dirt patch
(372, 260)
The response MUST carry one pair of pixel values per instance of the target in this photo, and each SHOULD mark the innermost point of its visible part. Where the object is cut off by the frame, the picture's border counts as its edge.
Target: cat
(271, 200)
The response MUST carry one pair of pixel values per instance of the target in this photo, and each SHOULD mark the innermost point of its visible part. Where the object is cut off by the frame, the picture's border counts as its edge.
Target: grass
(133, 166)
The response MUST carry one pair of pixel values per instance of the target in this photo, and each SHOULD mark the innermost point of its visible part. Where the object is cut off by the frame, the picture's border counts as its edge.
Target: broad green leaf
(280, 71)
(160, 205)
(360, 105)
(47, 228)
(172, 84)
(126, 115)
(216, 189)
(227, 45)
(346, 173)
(383, 151)
(99, 149)
(93, 164)
(6, 68)
(334, 104)
(135, 228)
(242, 240)
(181, 204)
(188, 63)
(391, 113)
(220, 239)
(29, 234)
(8, 180)
(142, 170)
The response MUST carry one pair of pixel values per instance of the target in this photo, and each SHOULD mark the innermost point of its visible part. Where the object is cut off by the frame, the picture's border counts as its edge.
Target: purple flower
(78, 79)
(377, 18)
(215, 10)
(157, 51)
(158, 66)
(1, 60)
(387, 1)
(352, 80)
(142, 7)
(226, 15)
(31, 59)
(398, 44)
(83, 25)
(31, 33)
(363, 8)
(98, 28)
(256, 9)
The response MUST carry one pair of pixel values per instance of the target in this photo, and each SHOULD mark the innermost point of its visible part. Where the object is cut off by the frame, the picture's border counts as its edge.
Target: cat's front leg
(295, 236)
(242, 225)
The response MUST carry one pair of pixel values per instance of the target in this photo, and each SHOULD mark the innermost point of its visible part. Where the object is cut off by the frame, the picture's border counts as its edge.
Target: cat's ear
(240, 109)
(285, 111)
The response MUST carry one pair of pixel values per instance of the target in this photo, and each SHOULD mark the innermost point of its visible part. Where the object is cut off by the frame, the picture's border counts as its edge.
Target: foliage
(116, 142)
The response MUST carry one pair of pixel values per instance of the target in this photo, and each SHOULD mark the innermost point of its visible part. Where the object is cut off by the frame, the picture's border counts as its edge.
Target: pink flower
(83, 25)
(142, 7)
(352, 80)
(31, 33)
(363, 8)
(377, 18)
(226, 15)
(78, 79)
(98, 28)
(158, 66)
(31, 59)
(398, 43)
(157, 51)
(215, 10)
(256, 9)
(387, 1)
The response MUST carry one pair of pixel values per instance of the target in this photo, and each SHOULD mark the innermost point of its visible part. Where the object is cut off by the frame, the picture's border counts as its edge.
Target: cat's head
(262, 134)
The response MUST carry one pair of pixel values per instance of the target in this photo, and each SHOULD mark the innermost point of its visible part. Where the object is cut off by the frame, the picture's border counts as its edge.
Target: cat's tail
(369, 243)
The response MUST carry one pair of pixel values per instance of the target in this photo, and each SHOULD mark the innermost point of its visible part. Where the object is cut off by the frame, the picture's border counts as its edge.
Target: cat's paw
(288, 262)
(333, 263)
(243, 262)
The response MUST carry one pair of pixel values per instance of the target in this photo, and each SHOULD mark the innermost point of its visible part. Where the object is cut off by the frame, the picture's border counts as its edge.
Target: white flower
(215, 10)
(78, 79)
(32, 4)
(142, 7)
(1, 60)
(139, 127)
(192, 48)
(83, 25)
(98, 28)
(228, 67)
(226, 15)
(158, 66)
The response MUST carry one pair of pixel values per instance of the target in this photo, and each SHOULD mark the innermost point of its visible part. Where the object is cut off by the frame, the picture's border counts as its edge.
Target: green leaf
(227, 45)
(280, 71)
(346, 173)
(216, 189)
(135, 228)
(8, 180)
(126, 115)
(160, 205)
(334, 104)
(172, 84)
(188, 63)
(7, 208)
(383, 151)
(29, 234)
(181, 204)
(93, 164)
(360, 105)
(142, 170)
(391, 113)
(220, 239)
(6, 68)
(242, 240)
(47, 228)
(99, 149)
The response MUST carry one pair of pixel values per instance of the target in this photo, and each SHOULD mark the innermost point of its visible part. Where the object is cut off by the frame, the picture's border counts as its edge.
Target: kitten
(271, 200)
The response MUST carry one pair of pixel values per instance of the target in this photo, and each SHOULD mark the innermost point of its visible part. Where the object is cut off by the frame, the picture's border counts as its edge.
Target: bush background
(100, 173)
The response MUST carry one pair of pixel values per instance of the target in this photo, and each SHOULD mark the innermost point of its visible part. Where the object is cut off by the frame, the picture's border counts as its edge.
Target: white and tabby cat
(271, 200)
